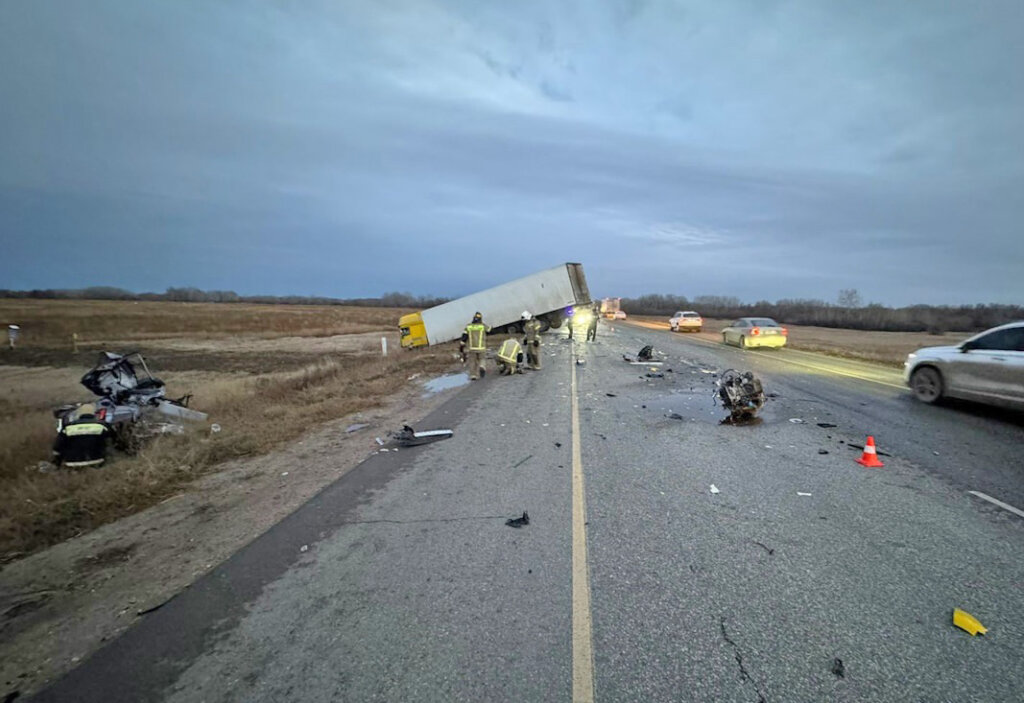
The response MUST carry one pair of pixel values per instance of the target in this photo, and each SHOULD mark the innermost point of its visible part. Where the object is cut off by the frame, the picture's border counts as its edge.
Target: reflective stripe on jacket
(532, 330)
(475, 331)
(84, 428)
(510, 351)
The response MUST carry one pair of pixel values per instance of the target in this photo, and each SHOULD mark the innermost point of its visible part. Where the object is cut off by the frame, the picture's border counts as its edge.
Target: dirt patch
(106, 557)
(61, 604)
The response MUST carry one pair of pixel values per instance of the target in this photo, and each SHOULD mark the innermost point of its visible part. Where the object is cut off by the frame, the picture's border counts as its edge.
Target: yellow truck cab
(414, 333)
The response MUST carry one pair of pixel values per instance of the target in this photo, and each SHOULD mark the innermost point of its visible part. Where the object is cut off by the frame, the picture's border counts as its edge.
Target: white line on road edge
(582, 642)
(1001, 504)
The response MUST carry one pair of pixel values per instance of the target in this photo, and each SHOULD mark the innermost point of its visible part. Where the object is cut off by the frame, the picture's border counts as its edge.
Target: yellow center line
(582, 642)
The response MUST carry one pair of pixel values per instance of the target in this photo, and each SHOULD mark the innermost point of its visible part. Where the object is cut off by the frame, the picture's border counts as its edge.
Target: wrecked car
(741, 394)
(131, 408)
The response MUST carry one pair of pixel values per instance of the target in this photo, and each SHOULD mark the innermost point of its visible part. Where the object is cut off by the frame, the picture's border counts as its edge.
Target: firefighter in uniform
(474, 346)
(82, 439)
(510, 356)
(595, 313)
(531, 327)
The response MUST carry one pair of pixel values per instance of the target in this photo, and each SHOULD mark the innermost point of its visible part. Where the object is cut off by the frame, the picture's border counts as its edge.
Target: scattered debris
(714, 489)
(765, 547)
(674, 416)
(827, 425)
(808, 495)
(741, 394)
(581, 362)
(968, 623)
(408, 437)
(837, 667)
(522, 461)
(611, 395)
(304, 548)
(379, 441)
(644, 356)
(773, 395)
(822, 451)
(797, 421)
(518, 522)
(655, 375)
(356, 427)
(214, 428)
(284, 473)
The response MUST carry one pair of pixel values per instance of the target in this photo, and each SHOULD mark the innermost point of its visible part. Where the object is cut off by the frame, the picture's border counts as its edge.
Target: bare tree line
(196, 295)
(848, 312)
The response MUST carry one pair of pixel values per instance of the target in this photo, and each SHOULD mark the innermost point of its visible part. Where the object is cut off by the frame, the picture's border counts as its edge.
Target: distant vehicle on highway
(619, 315)
(749, 332)
(610, 306)
(987, 368)
(686, 321)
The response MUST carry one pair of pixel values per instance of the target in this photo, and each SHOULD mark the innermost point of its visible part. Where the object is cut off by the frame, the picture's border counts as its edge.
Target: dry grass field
(265, 374)
(888, 348)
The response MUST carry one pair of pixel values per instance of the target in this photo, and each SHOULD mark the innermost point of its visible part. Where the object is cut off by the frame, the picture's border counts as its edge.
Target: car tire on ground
(926, 382)
(724, 339)
(743, 342)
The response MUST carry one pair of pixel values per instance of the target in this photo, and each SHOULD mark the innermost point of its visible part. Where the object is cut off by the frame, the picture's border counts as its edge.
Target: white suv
(686, 321)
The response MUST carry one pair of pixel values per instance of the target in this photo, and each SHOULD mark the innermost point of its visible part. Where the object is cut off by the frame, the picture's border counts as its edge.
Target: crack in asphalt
(744, 674)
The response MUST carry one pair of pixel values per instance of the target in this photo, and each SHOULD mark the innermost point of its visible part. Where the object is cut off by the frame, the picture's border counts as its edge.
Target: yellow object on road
(967, 622)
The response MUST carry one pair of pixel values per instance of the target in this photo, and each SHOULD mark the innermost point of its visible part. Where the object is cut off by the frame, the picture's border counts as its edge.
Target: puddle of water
(443, 383)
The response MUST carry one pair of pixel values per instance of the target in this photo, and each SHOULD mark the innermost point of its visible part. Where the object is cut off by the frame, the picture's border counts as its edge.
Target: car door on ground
(991, 365)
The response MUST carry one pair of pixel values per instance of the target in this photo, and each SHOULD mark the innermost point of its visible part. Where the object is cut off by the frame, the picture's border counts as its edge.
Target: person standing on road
(532, 329)
(595, 313)
(474, 346)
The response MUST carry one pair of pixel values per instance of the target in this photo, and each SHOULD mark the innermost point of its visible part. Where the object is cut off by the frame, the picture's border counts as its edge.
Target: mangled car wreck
(131, 408)
(741, 394)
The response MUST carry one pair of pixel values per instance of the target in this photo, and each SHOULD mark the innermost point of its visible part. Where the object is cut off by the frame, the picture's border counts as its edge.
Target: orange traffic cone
(870, 457)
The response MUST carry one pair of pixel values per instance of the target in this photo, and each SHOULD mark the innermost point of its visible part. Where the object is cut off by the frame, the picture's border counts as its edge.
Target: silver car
(988, 368)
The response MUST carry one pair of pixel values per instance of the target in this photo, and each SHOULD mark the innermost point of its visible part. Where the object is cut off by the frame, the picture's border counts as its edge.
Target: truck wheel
(926, 382)
(699, 330)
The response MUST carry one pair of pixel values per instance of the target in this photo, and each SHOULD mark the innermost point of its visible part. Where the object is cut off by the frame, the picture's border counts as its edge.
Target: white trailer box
(546, 294)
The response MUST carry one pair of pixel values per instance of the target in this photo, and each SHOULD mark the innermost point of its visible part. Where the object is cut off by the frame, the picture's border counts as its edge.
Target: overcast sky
(759, 149)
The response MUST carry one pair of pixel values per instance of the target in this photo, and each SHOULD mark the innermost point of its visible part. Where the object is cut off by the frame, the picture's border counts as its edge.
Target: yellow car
(750, 332)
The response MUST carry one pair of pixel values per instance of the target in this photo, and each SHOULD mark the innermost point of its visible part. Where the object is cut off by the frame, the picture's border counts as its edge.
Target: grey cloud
(313, 149)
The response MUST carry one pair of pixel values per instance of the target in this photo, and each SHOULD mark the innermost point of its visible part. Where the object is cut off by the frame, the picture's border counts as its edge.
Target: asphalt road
(633, 581)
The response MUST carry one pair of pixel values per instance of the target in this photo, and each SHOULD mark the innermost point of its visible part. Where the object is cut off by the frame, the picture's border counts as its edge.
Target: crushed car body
(741, 394)
(131, 407)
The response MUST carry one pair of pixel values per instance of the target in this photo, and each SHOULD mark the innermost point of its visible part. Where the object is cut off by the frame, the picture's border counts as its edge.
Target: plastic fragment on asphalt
(796, 421)
(304, 548)
(518, 522)
(767, 446)
(837, 667)
(827, 424)
(968, 623)
(356, 427)
(611, 395)
(714, 489)
(822, 451)
(379, 441)
(674, 416)
(284, 473)
(802, 494)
